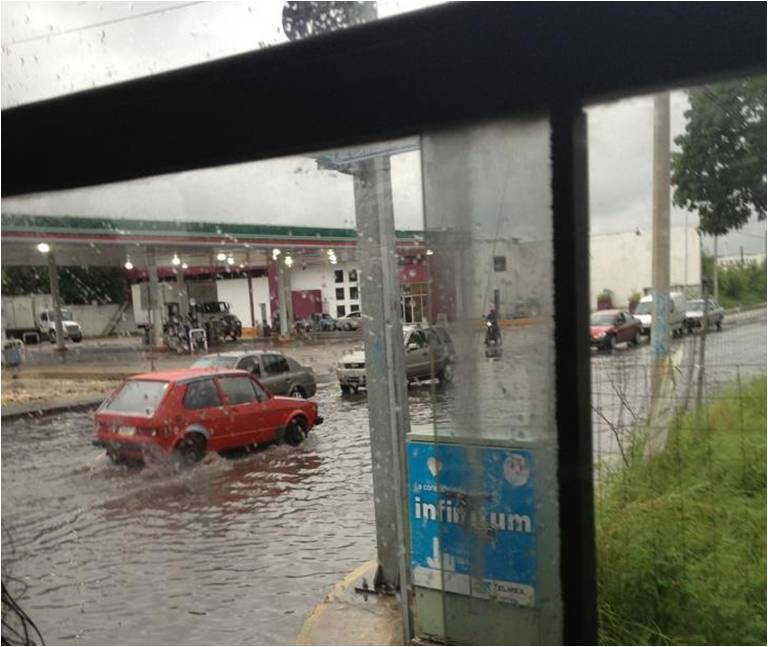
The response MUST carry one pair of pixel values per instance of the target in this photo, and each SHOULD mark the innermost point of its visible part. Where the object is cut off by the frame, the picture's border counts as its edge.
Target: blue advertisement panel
(473, 520)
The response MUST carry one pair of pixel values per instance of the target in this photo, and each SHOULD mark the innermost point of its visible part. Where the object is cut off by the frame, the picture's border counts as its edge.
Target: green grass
(681, 539)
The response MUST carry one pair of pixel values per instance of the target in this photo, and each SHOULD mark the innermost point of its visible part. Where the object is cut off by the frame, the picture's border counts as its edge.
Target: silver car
(352, 321)
(694, 315)
(429, 353)
(281, 374)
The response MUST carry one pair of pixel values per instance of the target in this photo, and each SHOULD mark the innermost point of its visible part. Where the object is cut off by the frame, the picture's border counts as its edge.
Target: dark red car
(187, 412)
(609, 327)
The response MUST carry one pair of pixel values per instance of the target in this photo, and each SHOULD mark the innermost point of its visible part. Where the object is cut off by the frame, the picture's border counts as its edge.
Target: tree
(719, 170)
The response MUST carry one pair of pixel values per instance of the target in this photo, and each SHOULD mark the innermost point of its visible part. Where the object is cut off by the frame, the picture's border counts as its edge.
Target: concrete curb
(47, 407)
(347, 618)
(745, 309)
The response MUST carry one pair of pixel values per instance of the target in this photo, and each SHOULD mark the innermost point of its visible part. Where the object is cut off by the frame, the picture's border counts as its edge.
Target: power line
(101, 24)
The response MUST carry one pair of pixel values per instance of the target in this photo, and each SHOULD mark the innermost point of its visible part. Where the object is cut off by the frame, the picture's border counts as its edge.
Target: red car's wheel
(296, 431)
(190, 450)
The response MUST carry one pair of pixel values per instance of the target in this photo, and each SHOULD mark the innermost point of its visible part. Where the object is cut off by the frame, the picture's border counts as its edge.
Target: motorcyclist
(492, 331)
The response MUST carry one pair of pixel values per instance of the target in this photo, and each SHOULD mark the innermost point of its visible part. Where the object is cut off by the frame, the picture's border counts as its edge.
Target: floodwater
(239, 551)
(232, 551)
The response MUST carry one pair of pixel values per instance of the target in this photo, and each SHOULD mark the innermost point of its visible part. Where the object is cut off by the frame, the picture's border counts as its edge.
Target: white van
(676, 315)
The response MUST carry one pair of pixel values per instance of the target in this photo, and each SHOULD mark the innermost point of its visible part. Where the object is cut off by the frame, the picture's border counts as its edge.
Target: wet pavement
(233, 551)
(240, 550)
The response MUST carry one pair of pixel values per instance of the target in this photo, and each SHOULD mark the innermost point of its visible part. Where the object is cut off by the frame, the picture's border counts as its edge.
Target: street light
(221, 256)
(275, 254)
(128, 265)
(289, 261)
(43, 248)
(230, 260)
(176, 260)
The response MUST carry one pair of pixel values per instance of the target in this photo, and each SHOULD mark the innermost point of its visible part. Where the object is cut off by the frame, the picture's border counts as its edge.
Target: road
(240, 550)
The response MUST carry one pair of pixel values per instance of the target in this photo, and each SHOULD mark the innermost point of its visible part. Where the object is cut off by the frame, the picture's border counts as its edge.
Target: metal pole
(155, 303)
(281, 297)
(715, 281)
(53, 277)
(181, 288)
(385, 370)
(660, 323)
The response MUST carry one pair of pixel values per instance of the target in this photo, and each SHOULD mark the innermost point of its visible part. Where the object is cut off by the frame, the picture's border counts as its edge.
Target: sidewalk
(345, 617)
(44, 407)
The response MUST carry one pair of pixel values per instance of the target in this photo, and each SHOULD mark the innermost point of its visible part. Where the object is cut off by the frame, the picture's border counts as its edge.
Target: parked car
(281, 374)
(675, 313)
(186, 413)
(694, 315)
(610, 327)
(429, 353)
(352, 321)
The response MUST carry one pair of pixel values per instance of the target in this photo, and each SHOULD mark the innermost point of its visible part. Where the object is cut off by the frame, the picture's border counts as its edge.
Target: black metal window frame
(436, 68)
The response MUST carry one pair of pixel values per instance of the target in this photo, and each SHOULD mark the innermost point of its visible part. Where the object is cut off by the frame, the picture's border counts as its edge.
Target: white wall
(622, 263)
(524, 286)
(93, 319)
(235, 292)
(323, 278)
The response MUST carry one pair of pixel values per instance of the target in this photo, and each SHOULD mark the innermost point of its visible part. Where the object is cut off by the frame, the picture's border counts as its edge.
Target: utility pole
(660, 324)
(715, 281)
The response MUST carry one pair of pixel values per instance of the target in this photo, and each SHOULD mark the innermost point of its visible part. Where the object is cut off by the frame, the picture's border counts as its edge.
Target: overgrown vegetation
(681, 538)
(738, 285)
(78, 285)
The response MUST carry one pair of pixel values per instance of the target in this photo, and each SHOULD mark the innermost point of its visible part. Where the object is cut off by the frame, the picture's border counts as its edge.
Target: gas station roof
(111, 241)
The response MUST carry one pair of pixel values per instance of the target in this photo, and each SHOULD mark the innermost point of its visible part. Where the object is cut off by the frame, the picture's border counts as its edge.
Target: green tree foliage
(742, 285)
(719, 170)
(78, 285)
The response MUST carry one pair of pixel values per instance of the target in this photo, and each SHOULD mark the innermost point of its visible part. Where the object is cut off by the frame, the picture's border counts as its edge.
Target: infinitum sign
(473, 521)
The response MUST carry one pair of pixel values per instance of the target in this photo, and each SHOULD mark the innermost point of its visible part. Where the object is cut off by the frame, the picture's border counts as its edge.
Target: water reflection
(236, 550)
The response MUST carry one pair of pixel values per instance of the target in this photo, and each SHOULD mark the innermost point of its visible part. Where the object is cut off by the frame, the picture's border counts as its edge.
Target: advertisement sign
(473, 520)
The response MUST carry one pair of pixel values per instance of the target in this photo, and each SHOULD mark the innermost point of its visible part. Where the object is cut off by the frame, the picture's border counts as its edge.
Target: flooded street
(232, 551)
(240, 550)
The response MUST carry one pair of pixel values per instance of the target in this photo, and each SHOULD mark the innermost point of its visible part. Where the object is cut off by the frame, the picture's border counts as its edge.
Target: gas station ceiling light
(230, 260)
(176, 260)
(430, 252)
(184, 266)
(221, 256)
(43, 248)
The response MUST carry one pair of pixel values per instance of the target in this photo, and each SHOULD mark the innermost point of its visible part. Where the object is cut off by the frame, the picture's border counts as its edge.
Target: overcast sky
(53, 48)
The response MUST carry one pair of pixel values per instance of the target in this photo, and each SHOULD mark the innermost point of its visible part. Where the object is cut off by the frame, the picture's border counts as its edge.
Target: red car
(188, 412)
(609, 327)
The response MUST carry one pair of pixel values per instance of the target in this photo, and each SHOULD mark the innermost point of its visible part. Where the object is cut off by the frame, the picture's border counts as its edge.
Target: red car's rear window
(137, 397)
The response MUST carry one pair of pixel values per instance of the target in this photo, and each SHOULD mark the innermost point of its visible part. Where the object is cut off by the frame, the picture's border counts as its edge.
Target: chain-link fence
(680, 484)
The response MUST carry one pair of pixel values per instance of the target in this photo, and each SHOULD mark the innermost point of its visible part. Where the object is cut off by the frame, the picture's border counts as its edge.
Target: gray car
(281, 374)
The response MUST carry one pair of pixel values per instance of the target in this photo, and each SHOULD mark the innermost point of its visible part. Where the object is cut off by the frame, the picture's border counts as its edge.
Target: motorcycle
(492, 334)
(492, 339)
